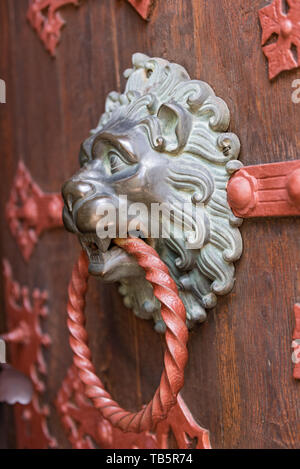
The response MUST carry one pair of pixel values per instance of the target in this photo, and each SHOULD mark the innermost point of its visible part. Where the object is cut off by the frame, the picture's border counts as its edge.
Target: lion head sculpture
(163, 141)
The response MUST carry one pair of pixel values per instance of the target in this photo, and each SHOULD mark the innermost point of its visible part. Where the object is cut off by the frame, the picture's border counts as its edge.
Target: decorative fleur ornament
(163, 140)
(27, 340)
(44, 18)
(284, 53)
(86, 428)
(143, 7)
(30, 211)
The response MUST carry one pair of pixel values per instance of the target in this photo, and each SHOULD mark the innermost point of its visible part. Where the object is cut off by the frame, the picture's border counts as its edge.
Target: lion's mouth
(100, 253)
(94, 246)
(107, 260)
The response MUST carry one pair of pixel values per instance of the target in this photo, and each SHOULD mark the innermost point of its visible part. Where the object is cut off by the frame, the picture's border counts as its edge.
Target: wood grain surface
(239, 381)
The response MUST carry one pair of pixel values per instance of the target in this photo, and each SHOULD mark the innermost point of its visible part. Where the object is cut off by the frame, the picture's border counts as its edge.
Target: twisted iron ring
(176, 336)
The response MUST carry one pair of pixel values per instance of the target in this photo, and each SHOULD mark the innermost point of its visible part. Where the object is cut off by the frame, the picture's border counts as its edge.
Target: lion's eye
(116, 163)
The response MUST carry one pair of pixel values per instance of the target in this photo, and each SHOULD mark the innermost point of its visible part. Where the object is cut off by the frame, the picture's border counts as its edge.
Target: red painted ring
(174, 315)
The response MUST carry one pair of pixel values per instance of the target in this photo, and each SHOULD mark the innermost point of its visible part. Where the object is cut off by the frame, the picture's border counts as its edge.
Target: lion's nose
(73, 191)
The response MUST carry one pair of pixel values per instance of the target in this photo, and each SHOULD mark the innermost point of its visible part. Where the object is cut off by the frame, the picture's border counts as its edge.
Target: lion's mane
(204, 158)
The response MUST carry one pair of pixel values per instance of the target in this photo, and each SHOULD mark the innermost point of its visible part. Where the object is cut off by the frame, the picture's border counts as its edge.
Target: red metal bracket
(143, 7)
(268, 190)
(296, 343)
(44, 18)
(187, 433)
(86, 428)
(30, 211)
(284, 27)
(26, 341)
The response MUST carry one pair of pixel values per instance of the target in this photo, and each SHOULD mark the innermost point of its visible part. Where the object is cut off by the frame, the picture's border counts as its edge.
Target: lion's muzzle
(86, 202)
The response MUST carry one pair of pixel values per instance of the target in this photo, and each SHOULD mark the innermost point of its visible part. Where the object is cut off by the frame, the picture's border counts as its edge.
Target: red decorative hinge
(86, 428)
(30, 211)
(296, 343)
(187, 433)
(85, 425)
(284, 27)
(26, 341)
(266, 190)
(143, 7)
(44, 18)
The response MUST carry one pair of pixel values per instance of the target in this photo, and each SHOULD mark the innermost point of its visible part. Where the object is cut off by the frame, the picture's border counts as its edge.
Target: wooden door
(238, 380)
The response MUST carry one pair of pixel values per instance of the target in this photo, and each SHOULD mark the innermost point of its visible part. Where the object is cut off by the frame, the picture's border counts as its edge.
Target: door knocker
(161, 145)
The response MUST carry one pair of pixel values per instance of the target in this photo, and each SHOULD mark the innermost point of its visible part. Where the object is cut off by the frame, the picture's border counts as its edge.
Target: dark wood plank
(239, 376)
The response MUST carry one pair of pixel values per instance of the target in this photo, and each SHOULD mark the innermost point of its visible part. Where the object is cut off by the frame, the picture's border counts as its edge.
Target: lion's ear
(176, 125)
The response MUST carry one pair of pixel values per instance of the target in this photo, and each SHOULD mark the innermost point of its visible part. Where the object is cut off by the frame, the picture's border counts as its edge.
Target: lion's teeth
(103, 244)
(94, 246)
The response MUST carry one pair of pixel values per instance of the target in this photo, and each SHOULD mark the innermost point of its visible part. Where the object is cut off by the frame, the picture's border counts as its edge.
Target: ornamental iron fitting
(280, 24)
(27, 341)
(30, 211)
(45, 18)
